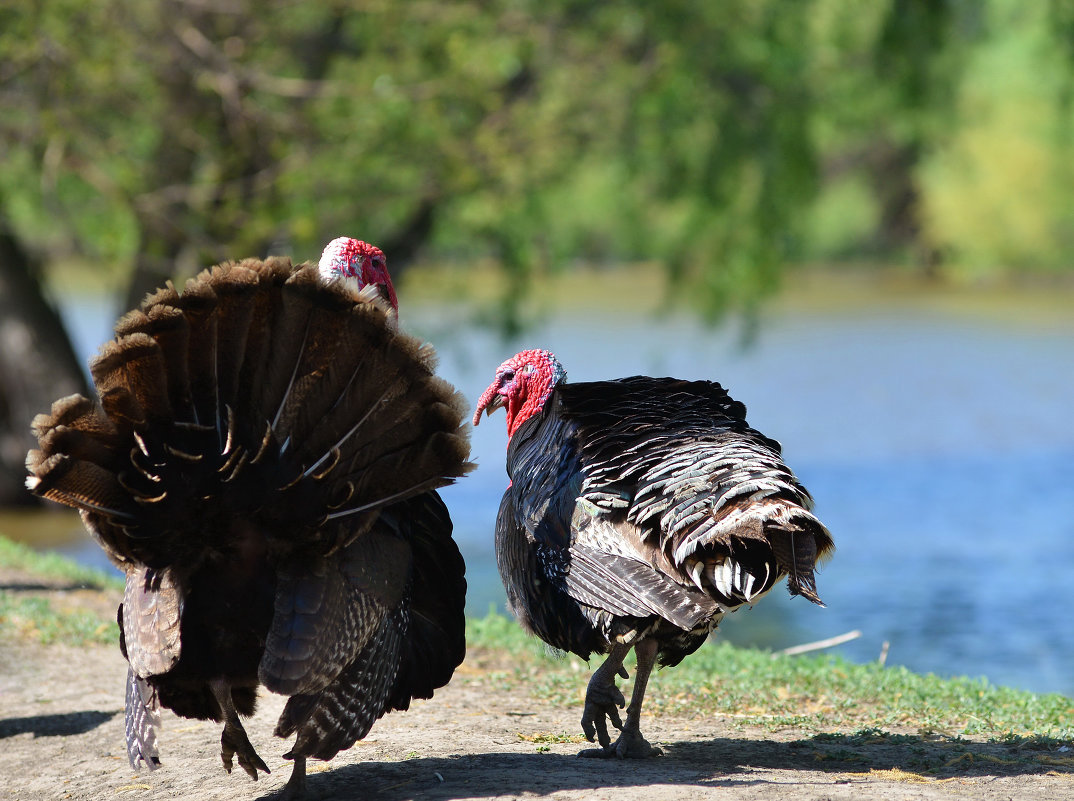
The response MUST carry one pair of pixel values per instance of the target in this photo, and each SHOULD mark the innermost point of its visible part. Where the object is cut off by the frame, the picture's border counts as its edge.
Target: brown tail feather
(316, 397)
(76, 444)
(198, 305)
(170, 330)
(365, 372)
(266, 316)
(123, 410)
(166, 295)
(234, 287)
(287, 341)
(134, 365)
(78, 412)
(83, 485)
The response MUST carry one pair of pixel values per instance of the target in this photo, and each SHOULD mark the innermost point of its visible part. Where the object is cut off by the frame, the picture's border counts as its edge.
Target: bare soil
(61, 737)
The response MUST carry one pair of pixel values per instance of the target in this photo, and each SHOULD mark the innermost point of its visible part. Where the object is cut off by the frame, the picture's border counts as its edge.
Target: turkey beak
(490, 401)
(498, 402)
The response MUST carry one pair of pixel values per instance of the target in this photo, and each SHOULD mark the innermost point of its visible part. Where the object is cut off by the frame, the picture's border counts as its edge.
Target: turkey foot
(603, 700)
(602, 704)
(630, 745)
(233, 740)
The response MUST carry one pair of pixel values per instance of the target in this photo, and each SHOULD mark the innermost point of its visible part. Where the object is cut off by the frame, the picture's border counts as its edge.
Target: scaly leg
(296, 785)
(233, 740)
(602, 698)
(631, 745)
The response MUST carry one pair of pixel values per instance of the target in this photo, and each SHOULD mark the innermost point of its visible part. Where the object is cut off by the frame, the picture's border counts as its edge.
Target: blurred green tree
(724, 141)
(166, 136)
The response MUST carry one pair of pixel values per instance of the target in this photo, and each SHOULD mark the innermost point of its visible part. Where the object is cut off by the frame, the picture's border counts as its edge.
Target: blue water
(940, 453)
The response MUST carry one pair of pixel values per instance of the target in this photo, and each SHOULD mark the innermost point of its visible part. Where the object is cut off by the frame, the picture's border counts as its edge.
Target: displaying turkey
(261, 463)
(639, 512)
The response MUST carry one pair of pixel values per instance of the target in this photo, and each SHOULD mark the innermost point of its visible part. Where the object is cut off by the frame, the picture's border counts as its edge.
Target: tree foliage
(721, 140)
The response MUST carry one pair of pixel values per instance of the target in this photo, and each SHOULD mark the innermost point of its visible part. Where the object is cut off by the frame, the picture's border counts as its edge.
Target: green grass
(50, 616)
(812, 693)
(21, 557)
(42, 620)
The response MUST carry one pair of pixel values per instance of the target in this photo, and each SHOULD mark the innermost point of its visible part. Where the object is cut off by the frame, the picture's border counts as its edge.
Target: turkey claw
(630, 745)
(236, 744)
(600, 707)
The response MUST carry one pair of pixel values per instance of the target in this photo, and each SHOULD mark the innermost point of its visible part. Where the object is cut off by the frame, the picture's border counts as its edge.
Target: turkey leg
(233, 740)
(296, 785)
(631, 745)
(602, 698)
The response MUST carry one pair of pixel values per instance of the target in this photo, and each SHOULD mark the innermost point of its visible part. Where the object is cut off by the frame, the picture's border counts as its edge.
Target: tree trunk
(37, 363)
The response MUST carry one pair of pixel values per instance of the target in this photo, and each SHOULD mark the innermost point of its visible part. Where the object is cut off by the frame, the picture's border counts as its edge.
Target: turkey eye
(507, 376)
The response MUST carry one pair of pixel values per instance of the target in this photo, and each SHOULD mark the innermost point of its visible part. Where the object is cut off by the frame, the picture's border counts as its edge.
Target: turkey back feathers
(678, 459)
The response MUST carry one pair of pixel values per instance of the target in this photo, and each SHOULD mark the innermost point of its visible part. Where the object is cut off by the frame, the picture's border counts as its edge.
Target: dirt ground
(61, 737)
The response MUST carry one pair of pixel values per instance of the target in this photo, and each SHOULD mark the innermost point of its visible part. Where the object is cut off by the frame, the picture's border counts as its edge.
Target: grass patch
(17, 556)
(76, 613)
(544, 738)
(815, 693)
(47, 622)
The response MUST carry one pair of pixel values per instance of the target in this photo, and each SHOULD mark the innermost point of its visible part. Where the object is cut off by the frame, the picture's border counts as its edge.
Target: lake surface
(939, 449)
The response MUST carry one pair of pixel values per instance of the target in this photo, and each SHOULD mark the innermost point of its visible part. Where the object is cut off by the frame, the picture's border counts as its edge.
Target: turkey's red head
(359, 265)
(523, 384)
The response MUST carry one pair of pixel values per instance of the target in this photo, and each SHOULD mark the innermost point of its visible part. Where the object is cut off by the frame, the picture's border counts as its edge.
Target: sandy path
(61, 726)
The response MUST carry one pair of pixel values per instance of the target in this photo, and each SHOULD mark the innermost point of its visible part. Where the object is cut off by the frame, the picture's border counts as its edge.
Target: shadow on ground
(63, 725)
(721, 762)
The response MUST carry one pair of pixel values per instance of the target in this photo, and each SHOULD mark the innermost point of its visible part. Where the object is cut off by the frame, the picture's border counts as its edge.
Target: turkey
(261, 463)
(639, 512)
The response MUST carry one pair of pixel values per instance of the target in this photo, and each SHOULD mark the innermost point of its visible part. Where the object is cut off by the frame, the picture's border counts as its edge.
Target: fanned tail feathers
(256, 389)
(732, 515)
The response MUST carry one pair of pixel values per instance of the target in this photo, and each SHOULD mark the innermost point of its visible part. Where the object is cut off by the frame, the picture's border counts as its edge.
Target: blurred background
(856, 216)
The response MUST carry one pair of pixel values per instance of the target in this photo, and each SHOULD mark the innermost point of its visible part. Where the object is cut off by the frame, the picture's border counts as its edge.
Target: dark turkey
(639, 512)
(261, 463)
